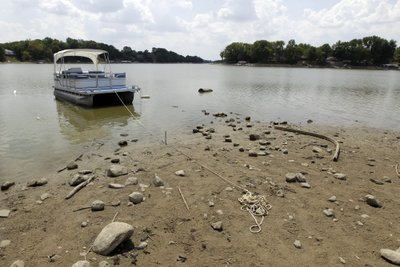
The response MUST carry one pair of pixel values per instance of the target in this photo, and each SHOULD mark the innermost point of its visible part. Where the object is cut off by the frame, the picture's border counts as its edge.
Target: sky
(198, 27)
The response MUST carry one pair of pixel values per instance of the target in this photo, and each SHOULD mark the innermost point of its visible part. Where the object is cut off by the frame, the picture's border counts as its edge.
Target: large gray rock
(117, 170)
(111, 236)
(97, 205)
(157, 181)
(131, 181)
(82, 264)
(39, 182)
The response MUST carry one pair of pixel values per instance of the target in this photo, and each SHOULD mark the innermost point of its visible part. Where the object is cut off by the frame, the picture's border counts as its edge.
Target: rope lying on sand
(330, 139)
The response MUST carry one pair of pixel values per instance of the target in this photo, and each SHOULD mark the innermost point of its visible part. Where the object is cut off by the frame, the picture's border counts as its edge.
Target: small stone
(82, 264)
(241, 149)
(391, 255)
(97, 205)
(111, 236)
(340, 176)
(4, 243)
(115, 186)
(372, 201)
(6, 185)
(376, 181)
(228, 140)
(230, 189)
(386, 179)
(364, 216)
(77, 179)
(342, 260)
(280, 193)
(305, 185)
(317, 149)
(131, 181)
(211, 204)
(217, 226)
(4, 213)
(219, 212)
(357, 207)
(291, 177)
(300, 178)
(141, 246)
(297, 244)
(123, 143)
(84, 224)
(254, 137)
(253, 153)
(72, 166)
(157, 181)
(332, 199)
(115, 161)
(19, 263)
(180, 173)
(36, 183)
(329, 212)
(44, 196)
(285, 151)
(262, 153)
(136, 197)
(83, 172)
(117, 170)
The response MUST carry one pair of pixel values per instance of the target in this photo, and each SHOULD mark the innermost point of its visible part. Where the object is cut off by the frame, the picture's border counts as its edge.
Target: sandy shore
(49, 232)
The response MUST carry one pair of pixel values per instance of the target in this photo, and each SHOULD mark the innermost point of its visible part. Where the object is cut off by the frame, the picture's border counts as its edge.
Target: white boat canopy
(92, 54)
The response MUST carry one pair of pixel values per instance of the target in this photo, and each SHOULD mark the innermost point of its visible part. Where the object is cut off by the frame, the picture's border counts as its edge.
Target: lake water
(38, 133)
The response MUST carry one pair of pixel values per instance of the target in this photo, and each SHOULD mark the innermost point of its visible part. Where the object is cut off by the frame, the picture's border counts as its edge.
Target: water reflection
(80, 125)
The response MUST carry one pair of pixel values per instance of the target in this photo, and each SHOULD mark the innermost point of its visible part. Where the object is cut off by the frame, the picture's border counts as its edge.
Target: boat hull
(92, 100)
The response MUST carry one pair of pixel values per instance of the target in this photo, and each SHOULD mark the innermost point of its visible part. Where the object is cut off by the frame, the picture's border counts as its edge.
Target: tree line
(368, 51)
(43, 50)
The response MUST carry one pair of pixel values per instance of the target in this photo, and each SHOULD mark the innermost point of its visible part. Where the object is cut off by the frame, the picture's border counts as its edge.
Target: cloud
(96, 6)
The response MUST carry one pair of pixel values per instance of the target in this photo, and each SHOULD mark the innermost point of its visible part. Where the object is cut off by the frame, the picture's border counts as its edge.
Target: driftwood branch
(330, 139)
(79, 187)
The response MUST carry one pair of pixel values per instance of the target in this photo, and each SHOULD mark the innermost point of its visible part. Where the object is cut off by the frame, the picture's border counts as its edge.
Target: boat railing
(69, 78)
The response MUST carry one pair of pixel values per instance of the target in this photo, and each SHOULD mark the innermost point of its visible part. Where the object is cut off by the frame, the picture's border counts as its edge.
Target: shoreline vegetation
(181, 202)
(370, 52)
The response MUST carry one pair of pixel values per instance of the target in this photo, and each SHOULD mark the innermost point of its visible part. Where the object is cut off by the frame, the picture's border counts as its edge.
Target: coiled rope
(256, 205)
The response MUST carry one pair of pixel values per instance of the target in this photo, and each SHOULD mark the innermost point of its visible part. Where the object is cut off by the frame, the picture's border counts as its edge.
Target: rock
(6, 185)
(248, 118)
(297, 244)
(305, 185)
(72, 166)
(217, 226)
(4, 213)
(44, 196)
(205, 90)
(83, 172)
(131, 181)
(342, 260)
(97, 205)
(115, 161)
(230, 189)
(36, 183)
(115, 186)
(136, 197)
(84, 224)
(157, 181)
(317, 149)
(280, 193)
(291, 177)
(123, 143)
(77, 179)
(104, 264)
(111, 236)
(18, 263)
(329, 212)
(285, 151)
(254, 137)
(332, 199)
(253, 153)
(300, 178)
(4, 243)
(372, 201)
(117, 170)
(228, 140)
(141, 246)
(386, 179)
(180, 173)
(82, 264)
(391, 255)
(376, 181)
(262, 153)
(340, 176)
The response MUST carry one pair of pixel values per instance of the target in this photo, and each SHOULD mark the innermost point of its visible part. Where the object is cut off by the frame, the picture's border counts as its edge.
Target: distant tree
(26, 56)
(237, 52)
(397, 55)
(278, 48)
(292, 52)
(261, 51)
(2, 54)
